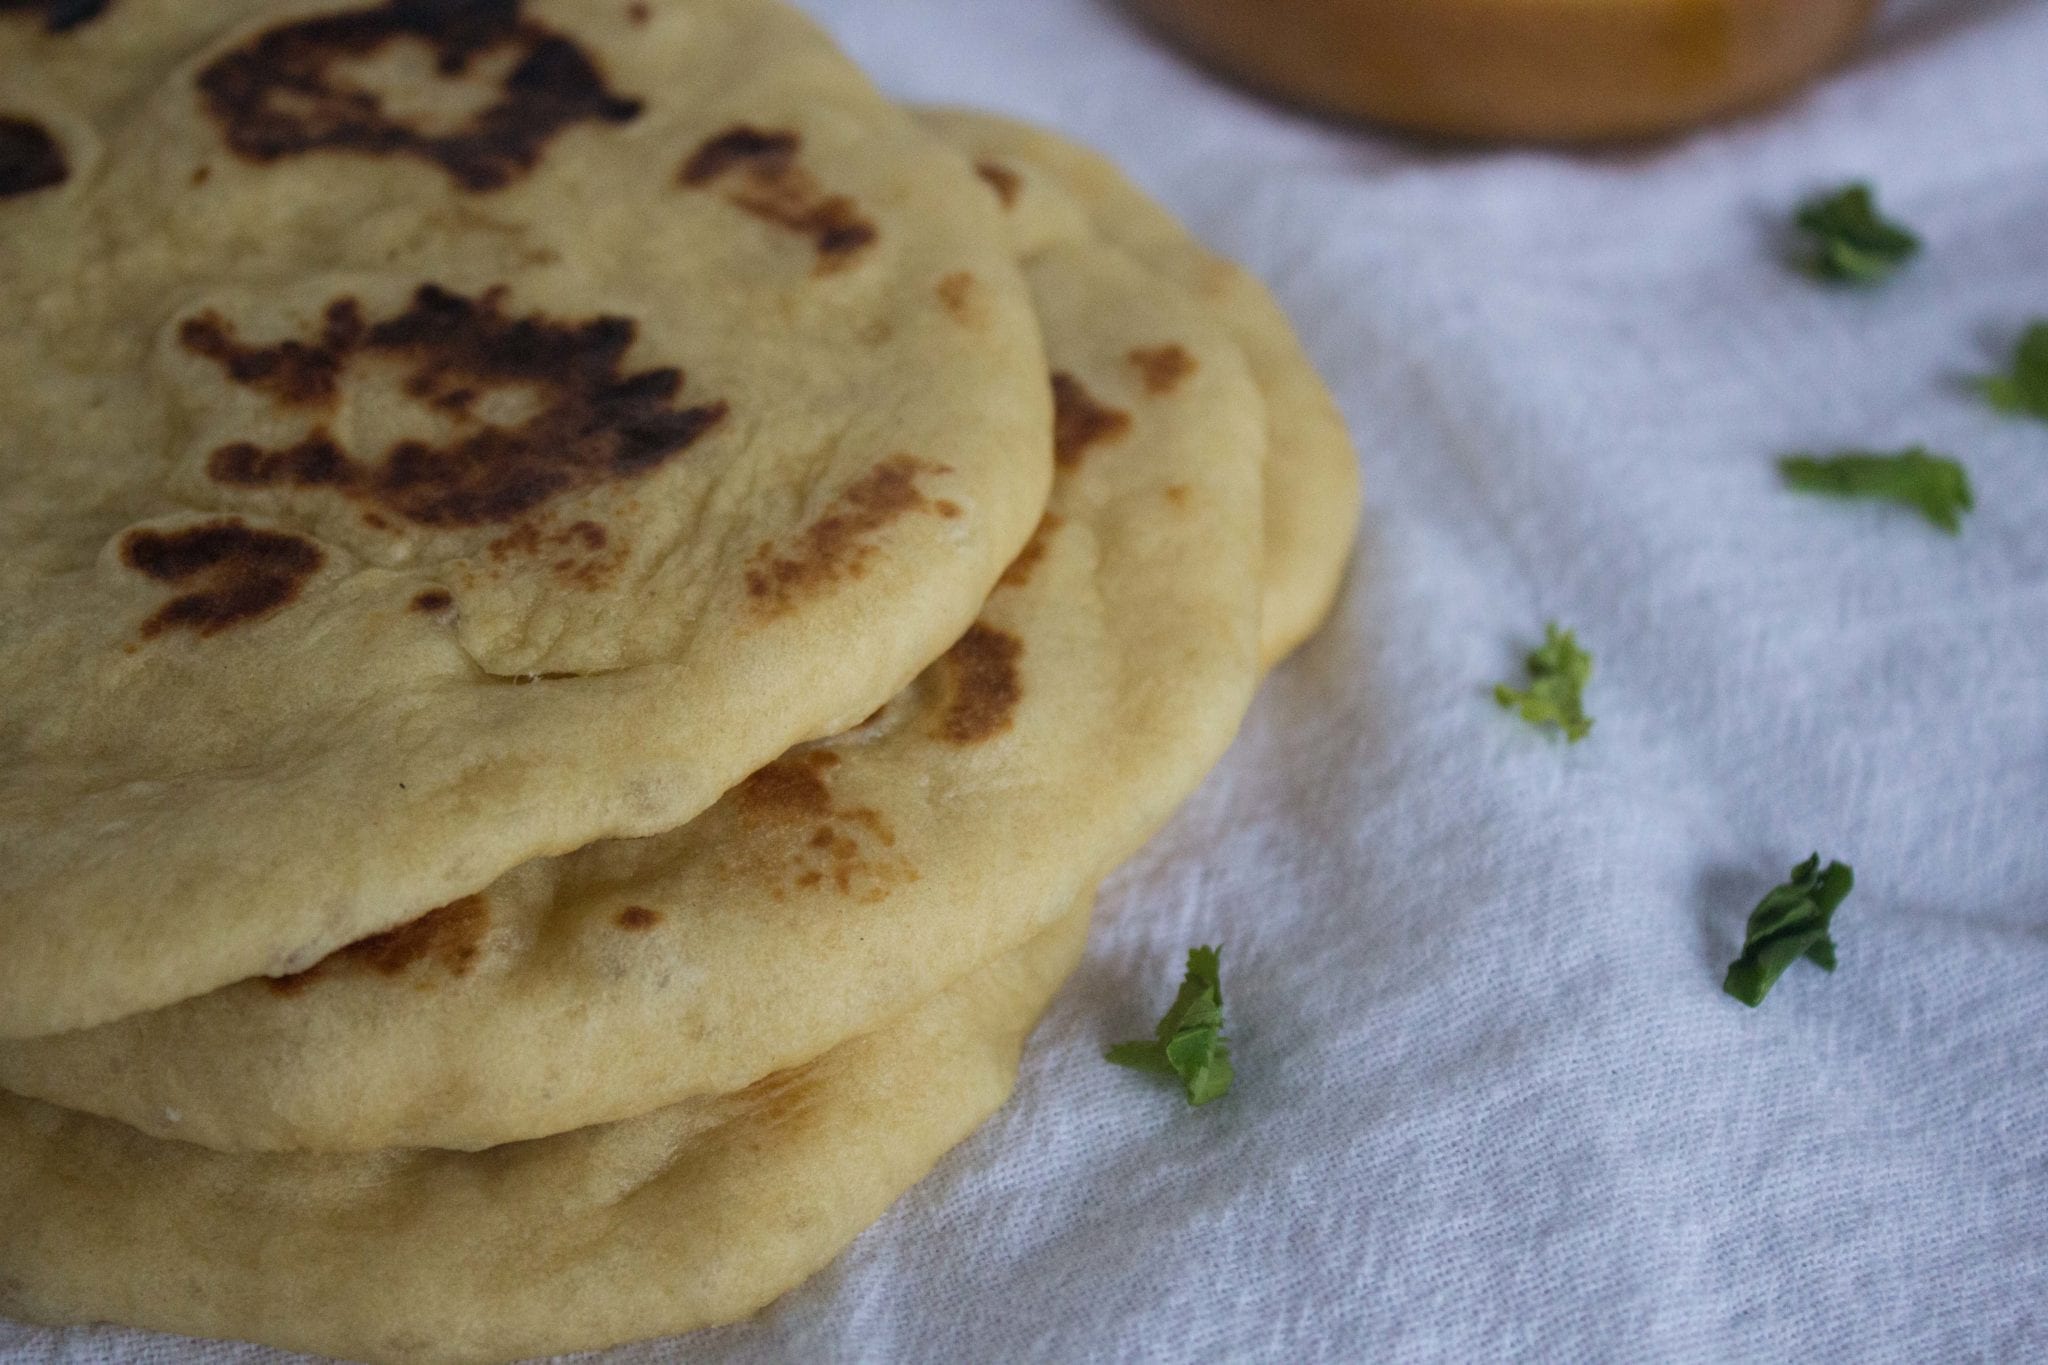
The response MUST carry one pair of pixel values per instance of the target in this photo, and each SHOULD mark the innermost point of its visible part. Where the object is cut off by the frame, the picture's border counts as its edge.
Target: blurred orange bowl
(1547, 70)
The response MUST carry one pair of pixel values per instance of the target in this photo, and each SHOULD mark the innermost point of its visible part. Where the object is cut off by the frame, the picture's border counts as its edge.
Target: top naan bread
(1054, 189)
(839, 885)
(435, 435)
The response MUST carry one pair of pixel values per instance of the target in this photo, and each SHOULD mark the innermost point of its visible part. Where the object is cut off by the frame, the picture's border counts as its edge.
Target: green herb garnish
(1789, 923)
(2025, 390)
(1932, 485)
(1189, 1042)
(1558, 670)
(1852, 242)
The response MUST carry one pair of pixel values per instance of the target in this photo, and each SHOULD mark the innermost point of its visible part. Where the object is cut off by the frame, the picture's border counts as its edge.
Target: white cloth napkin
(1491, 1101)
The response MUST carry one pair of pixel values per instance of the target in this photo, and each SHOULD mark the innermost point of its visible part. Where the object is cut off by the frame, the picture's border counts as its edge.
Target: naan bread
(1312, 483)
(434, 436)
(690, 1216)
(837, 886)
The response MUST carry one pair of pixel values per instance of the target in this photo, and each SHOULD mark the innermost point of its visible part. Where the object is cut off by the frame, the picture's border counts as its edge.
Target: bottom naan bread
(690, 1216)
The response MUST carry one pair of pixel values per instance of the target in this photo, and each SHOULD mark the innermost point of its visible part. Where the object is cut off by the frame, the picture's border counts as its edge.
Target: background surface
(1490, 1099)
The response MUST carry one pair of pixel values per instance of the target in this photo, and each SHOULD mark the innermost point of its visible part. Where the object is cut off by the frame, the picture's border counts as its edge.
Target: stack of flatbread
(584, 603)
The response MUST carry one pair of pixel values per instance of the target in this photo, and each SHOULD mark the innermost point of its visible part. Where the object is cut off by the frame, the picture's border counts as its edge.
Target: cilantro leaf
(1852, 242)
(1189, 1041)
(1558, 670)
(1789, 923)
(2023, 392)
(1933, 485)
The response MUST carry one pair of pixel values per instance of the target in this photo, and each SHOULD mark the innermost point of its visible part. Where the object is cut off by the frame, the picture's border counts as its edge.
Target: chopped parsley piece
(1933, 485)
(1789, 923)
(1852, 243)
(2024, 391)
(1558, 670)
(1189, 1041)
